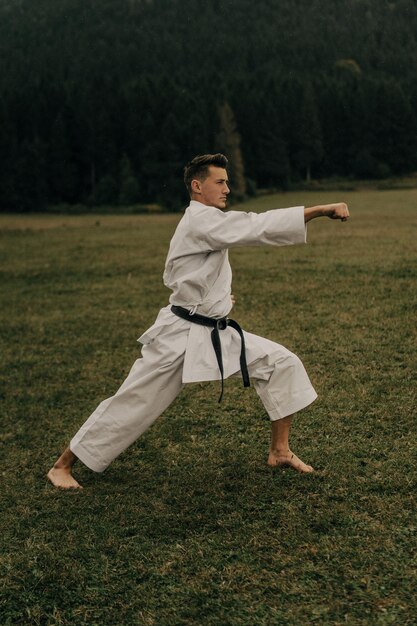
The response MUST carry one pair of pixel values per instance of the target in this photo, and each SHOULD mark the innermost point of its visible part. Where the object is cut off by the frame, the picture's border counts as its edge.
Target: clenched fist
(337, 211)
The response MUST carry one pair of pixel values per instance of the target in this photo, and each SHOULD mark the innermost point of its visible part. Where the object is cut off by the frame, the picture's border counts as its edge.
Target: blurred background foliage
(102, 102)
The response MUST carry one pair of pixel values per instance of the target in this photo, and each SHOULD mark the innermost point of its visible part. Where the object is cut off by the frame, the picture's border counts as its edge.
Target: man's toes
(290, 461)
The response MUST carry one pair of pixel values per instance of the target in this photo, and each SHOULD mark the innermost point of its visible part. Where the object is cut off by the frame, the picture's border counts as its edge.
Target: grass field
(189, 526)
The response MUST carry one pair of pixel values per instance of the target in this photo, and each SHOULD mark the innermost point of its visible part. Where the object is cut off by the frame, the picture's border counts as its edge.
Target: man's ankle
(61, 465)
(280, 451)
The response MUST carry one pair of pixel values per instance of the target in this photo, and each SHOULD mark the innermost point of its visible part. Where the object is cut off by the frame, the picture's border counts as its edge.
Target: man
(192, 338)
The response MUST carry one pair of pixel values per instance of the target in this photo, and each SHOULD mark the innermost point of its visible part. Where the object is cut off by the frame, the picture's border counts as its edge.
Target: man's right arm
(337, 211)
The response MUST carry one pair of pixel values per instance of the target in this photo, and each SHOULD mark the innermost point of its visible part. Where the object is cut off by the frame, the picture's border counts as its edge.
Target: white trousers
(154, 382)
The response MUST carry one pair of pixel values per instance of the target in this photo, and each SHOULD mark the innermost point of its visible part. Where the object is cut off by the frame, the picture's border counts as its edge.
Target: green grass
(189, 526)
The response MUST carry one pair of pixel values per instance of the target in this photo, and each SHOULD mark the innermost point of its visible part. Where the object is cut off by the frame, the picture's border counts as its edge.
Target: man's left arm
(337, 211)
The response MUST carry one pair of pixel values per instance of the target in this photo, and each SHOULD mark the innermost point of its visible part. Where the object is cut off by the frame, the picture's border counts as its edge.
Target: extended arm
(337, 211)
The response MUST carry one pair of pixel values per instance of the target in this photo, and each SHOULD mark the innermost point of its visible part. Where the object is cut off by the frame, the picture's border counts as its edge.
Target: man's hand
(336, 211)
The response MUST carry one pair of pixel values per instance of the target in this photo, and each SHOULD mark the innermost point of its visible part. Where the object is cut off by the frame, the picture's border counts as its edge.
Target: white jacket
(198, 272)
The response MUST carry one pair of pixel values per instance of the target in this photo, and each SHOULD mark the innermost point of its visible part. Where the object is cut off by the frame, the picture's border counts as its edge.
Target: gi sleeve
(233, 229)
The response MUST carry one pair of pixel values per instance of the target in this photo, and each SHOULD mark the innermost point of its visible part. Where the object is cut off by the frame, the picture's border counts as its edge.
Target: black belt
(217, 325)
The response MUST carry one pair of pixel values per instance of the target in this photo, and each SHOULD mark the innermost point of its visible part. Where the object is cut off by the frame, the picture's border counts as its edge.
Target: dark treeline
(102, 101)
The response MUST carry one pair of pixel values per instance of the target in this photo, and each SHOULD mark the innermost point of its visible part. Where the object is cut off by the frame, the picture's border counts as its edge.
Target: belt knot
(217, 324)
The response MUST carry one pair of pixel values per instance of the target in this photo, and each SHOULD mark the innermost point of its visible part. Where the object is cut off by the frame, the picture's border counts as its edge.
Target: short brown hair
(199, 167)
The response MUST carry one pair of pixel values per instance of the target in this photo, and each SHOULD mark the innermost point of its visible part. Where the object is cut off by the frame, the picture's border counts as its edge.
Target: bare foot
(62, 477)
(283, 459)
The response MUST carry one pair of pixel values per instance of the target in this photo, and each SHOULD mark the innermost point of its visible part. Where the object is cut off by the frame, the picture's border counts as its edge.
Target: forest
(102, 102)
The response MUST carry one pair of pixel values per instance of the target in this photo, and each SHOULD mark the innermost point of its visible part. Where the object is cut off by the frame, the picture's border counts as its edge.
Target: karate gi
(175, 351)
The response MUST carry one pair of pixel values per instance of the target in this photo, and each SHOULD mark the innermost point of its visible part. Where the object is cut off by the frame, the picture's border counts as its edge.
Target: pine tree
(394, 128)
(129, 187)
(62, 179)
(228, 142)
(106, 191)
(308, 133)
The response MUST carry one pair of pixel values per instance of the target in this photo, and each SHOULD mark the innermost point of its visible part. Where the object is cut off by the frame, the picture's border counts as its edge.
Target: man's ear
(195, 186)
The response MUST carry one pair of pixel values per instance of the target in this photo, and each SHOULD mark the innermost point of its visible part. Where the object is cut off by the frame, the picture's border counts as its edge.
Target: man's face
(212, 191)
